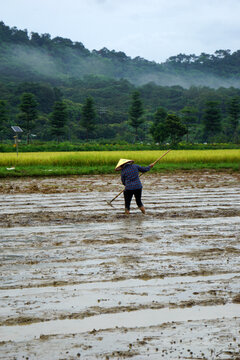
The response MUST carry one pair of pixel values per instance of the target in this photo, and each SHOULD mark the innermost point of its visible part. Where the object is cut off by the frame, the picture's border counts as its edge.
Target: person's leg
(138, 197)
(128, 194)
(142, 208)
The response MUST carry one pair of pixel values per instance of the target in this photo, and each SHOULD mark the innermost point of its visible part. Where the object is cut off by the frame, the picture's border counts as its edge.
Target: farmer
(133, 186)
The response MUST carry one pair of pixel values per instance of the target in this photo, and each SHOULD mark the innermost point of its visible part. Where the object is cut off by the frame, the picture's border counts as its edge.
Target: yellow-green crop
(100, 158)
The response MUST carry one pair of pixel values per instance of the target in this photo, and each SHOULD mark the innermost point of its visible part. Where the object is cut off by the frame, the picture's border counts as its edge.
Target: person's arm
(144, 169)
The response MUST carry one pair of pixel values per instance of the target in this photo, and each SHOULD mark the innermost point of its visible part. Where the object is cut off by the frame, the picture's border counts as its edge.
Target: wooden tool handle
(161, 157)
(141, 174)
(158, 160)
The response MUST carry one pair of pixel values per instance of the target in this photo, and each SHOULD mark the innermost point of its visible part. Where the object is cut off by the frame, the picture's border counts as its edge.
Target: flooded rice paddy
(79, 279)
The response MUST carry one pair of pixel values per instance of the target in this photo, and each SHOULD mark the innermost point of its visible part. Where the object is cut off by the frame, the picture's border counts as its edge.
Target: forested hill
(38, 57)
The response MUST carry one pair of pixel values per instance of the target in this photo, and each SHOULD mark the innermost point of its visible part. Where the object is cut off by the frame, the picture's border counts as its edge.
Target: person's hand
(151, 165)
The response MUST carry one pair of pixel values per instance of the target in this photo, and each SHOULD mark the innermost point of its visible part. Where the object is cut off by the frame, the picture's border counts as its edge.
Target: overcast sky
(152, 29)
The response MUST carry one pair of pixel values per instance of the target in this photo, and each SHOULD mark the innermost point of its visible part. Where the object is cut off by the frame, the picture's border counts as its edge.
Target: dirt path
(77, 274)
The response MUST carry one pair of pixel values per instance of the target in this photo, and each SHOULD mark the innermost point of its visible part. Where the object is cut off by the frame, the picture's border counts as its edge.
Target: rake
(110, 202)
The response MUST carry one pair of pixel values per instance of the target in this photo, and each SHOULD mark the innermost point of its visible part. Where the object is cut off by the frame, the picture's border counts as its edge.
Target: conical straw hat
(122, 162)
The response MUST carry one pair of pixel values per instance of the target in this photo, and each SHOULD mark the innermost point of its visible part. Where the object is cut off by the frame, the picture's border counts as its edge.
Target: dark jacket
(130, 176)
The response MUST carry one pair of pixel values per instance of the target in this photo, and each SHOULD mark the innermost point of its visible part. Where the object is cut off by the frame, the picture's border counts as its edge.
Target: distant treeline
(59, 77)
(38, 57)
(210, 115)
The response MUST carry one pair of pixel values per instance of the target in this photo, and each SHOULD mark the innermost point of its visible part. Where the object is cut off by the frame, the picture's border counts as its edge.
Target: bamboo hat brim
(122, 162)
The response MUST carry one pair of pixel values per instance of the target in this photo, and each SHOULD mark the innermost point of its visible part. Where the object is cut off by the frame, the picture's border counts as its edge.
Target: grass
(97, 162)
(49, 146)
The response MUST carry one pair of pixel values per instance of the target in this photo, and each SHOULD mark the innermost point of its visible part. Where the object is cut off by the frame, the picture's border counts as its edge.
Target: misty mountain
(35, 57)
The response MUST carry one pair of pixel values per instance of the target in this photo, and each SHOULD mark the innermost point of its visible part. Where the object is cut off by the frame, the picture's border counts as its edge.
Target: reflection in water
(141, 318)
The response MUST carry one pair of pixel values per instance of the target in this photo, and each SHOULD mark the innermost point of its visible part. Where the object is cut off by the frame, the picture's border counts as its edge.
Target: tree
(3, 117)
(234, 113)
(188, 118)
(37, 40)
(212, 120)
(59, 119)
(136, 112)
(74, 129)
(160, 115)
(28, 113)
(44, 93)
(167, 126)
(174, 128)
(158, 129)
(88, 116)
(159, 133)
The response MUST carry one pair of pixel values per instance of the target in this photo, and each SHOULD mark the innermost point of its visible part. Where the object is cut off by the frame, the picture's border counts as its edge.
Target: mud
(79, 279)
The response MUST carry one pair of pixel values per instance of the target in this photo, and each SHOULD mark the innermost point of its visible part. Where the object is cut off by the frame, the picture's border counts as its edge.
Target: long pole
(161, 157)
(17, 143)
(110, 202)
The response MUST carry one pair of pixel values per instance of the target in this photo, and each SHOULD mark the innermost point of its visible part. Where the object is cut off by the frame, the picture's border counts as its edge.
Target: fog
(39, 64)
(187, 80)
(35, 61)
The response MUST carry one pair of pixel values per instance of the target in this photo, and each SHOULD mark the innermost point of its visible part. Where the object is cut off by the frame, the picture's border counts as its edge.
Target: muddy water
(77, 274)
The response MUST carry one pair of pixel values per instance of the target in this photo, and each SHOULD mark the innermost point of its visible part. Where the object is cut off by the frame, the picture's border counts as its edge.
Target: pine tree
(136, 112)
(28, 113)
(188, 118)
(212, 120)
(234, 113)
(88, 116)
(59, 119)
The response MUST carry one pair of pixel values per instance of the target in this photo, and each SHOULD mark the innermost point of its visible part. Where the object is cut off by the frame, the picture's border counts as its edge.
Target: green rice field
(63, 163)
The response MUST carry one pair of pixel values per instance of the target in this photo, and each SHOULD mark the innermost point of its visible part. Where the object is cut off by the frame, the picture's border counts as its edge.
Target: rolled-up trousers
(128, 194)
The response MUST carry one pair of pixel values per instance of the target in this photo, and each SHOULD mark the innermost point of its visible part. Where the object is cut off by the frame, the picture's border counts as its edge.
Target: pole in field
(17, 130)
